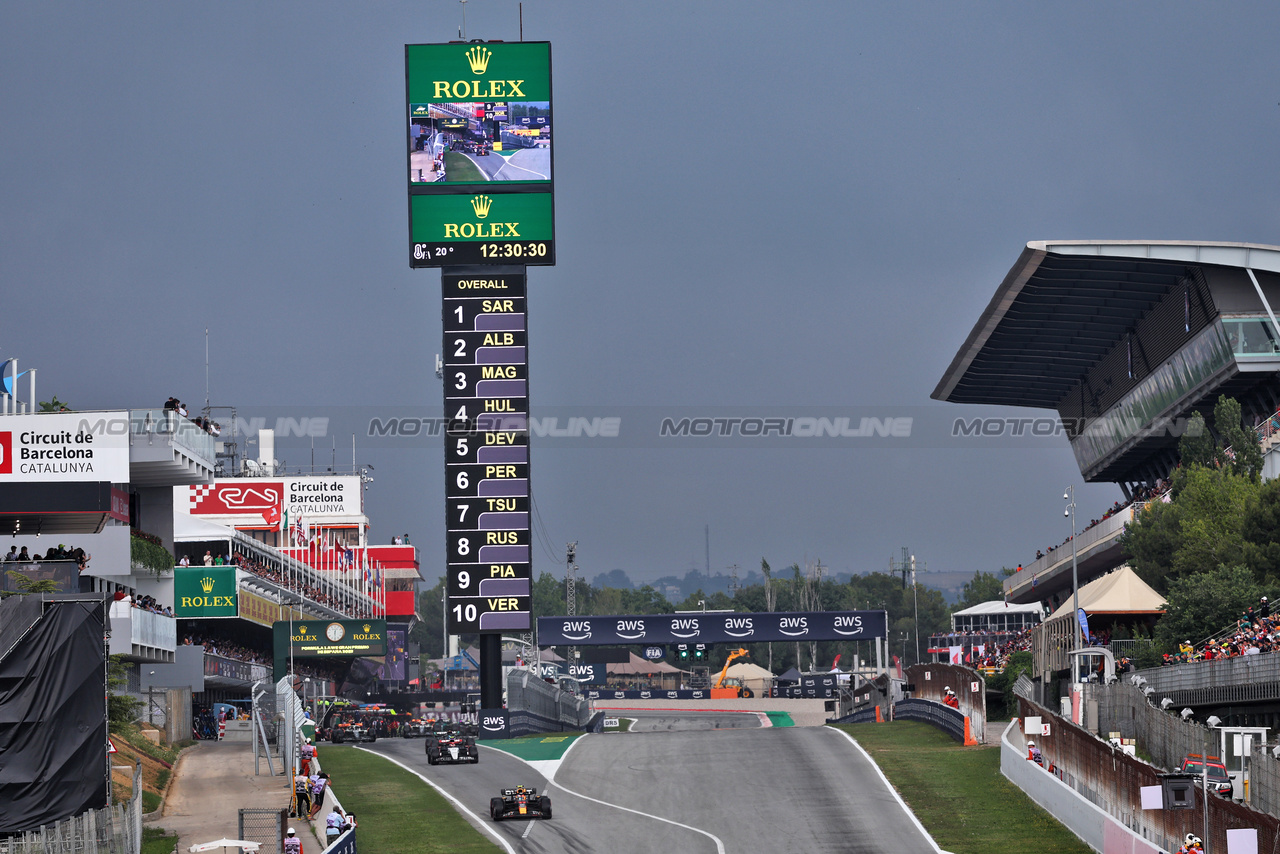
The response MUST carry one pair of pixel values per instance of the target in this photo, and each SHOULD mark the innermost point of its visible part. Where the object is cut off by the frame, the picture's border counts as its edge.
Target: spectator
(208, 557)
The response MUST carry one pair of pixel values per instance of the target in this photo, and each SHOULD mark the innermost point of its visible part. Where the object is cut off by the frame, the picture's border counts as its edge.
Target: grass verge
(157, 840)
(459, 168)
(959, 794)
(398, 813)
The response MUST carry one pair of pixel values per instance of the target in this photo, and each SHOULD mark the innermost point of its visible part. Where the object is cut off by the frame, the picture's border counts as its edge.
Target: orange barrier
(724, 693)
(968, 735)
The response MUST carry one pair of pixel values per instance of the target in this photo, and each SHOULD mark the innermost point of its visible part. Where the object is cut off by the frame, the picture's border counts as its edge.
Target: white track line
(891, 789)
(457, 803)
(507, 162)
(561, 786)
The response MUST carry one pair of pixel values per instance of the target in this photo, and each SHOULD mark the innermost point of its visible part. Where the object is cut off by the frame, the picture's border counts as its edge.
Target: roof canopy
(1064, 305)
(1119, 592)
(999, 606)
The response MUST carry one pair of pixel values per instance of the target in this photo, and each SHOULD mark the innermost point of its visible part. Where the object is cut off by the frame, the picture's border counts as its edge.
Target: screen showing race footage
(479, 113)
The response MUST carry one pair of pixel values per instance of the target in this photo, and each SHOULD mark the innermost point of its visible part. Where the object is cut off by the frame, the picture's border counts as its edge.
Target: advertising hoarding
(336, 637)
(260, 499)
(204, 591)
(480, 174)
(713, 628)
(65, 446)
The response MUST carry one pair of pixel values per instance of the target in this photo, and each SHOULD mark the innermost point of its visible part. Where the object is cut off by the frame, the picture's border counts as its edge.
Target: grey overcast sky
(763, 209)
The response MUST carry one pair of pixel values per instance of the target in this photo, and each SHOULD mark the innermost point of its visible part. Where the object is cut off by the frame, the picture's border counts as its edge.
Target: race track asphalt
(683, 784)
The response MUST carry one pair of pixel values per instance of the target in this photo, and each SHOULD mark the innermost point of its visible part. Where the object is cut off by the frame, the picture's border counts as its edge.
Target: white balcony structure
(142, 635)
(166, 449)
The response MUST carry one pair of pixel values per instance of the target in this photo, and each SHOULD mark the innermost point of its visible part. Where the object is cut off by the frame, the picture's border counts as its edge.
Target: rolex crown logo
(481, 205)
(367, 628)
(479, 59)
(207, 584)
(302, 630)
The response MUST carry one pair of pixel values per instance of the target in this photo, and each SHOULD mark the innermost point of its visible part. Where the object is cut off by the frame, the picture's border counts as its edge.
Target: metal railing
(168, 425)
(113, 830)
(1224, 680)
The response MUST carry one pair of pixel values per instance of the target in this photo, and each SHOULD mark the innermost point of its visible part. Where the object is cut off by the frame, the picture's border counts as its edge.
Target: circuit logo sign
(6, 452)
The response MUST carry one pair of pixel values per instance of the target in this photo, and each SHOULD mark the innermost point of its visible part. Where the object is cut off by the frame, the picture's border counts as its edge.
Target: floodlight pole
(1070, 497)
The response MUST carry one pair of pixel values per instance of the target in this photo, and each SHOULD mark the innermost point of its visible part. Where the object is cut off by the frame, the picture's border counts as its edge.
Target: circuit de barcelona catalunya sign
(712, 628)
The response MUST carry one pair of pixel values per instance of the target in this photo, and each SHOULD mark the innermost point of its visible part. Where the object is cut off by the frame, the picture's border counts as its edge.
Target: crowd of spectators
(995, 653)
(1141, 495)
(236, 649)
(144, 603)
(332, 598)
(1255, 632)
(59, 552)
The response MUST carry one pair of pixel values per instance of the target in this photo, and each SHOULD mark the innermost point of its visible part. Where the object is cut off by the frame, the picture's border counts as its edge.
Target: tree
(548, 596)
(983, 587)
(1202, 527)
(1245, 458)
(1261, 531)
(121, 708)
(1204, 603)
(54, 405)
(428, 632)
(27, 586)
(1196, 447)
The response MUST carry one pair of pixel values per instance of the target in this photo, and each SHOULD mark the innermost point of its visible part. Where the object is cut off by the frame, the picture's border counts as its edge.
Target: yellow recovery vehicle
(725, 688)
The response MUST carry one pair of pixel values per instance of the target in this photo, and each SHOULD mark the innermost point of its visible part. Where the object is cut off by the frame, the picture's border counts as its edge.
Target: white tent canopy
(1118, 592)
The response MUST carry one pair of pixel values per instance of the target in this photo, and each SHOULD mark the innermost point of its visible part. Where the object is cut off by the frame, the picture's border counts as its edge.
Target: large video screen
(479, 113)
(479, 120)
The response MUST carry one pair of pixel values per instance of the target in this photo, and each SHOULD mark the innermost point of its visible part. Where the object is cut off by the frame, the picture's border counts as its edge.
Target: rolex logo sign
(207, 591)
(481, 204)
(478, 57)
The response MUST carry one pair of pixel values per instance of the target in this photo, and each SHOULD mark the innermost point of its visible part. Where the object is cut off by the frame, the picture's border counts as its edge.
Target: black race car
(520, 802)
(451, 747)
(355, 733)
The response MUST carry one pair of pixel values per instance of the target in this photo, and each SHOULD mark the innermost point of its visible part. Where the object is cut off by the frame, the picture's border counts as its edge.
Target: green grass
(547, 745)
(165, 753)
(959, 794)
(157, 840)
(398, 813)
(458, 168)
(151, 801)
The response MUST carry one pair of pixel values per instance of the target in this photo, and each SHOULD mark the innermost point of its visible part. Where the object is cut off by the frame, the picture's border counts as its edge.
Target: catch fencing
(1264, 780)
(1112, 780)
(534, 705)
(266, 827)
(114, 830)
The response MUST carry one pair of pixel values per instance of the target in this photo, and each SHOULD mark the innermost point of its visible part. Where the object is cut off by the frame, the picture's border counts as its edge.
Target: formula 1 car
(354, 733)
(417, 728)
(452, 748)
(520, 802)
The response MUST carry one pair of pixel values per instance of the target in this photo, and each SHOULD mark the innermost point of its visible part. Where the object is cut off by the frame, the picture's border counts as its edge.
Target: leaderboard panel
(489, 581)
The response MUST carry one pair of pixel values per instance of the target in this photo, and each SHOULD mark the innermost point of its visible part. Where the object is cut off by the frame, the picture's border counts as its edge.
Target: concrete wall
(1097, 829)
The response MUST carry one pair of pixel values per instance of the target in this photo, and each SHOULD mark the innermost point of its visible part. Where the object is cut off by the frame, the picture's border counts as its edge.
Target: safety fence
(1264, 780)
(114, 830)
(534, 705)
(1109, 778)
(264, 826)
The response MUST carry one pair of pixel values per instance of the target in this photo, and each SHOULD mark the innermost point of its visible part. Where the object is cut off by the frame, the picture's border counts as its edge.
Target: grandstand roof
(999, 606)
(1064, 305)
(1119, 592)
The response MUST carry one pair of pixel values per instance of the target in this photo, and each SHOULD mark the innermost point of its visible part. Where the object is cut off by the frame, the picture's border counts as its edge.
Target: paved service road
(741, 791)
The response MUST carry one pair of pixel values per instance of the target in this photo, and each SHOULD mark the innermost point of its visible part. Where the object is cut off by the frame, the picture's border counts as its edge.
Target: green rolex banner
(204, 591)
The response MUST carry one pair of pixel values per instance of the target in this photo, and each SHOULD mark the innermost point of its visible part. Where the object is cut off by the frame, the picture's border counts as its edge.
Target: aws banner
(712, 628)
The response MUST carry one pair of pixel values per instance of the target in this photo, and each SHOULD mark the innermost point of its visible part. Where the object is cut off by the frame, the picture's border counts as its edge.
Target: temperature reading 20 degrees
(425, 252)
